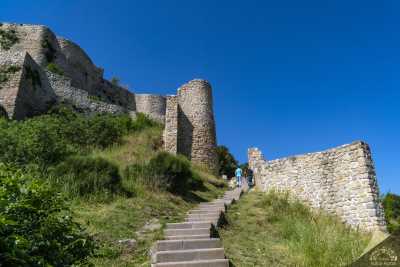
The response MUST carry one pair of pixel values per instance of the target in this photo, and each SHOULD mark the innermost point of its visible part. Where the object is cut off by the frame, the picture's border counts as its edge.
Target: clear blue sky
(289, 76)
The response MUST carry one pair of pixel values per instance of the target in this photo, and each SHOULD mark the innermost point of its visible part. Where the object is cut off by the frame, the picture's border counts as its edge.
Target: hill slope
(269, 230)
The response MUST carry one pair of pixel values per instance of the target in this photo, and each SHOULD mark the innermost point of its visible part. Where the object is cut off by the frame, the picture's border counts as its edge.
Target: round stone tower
(196, 124)
(152, 105)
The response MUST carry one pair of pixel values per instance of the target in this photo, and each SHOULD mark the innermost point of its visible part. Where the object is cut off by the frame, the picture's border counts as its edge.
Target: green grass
(271, 230)
(122, 217)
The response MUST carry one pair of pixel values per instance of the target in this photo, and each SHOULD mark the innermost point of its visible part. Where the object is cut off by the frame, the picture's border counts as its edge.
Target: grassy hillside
(123, 217)
(269, 230)
(73, 186)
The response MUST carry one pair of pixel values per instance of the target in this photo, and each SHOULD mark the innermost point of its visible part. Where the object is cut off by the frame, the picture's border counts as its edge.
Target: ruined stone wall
(152, 105)
(341, 180)
(190, 126)
(33, 88)
(81, 99)
(196, 125)
(45, 48)
(83, 73)
(27, 91)
(171, 125)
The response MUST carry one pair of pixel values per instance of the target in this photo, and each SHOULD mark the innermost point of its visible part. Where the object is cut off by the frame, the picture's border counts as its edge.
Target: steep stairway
(192, 243)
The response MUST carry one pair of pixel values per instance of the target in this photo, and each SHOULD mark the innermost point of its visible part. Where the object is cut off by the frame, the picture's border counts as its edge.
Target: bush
(165, 172)
(48, 139)
(391, 204)
(227, 162)
(142, 121)
(82, 175)
(36, 228)
(8, 38)
(54, 68)
(35, 141)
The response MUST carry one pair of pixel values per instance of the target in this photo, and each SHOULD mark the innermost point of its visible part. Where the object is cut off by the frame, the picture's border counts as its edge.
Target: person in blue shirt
(238, 174)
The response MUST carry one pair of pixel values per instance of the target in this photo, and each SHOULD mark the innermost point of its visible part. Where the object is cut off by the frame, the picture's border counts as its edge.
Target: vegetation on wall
(8, 38)
(391, 205)
(6, 71)
(54, 68)
(115, 81)
(94, 98)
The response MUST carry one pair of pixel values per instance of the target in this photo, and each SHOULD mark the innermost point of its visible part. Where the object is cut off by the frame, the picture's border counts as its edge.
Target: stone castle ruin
(341, 180)
(39, 69)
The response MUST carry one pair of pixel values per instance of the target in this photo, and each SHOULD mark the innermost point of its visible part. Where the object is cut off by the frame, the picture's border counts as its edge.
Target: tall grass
(275, 230)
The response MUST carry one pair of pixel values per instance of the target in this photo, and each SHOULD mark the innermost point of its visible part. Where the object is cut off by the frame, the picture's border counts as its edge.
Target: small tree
(227, 162)
(391, 204)
(115, 81)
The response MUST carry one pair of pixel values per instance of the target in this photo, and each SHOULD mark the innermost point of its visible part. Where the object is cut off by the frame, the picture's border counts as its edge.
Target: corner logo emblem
(383, 257)
(385, 254)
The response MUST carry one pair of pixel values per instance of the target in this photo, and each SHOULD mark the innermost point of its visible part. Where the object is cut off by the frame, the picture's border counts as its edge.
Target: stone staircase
(192, 243)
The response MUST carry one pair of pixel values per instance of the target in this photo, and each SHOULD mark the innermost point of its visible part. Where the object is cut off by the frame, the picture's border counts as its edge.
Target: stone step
(212, 208)
(211, 204)
(193, 225)
(185, 237)
(185, 232)
(210, 220)
(203, 263)
(189, 255)
(204, 212)
(165, 245)
(222, 202)
(202, 217)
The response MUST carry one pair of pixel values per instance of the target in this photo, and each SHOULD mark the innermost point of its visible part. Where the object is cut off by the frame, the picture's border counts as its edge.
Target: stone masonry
(153, 105)
(341, 181)
(190, 126)
(42, 70)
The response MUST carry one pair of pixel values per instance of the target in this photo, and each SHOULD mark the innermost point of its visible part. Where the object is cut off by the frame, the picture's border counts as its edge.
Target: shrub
(165, 172)
(8, 38)
(48, 139)
(36, 228)
(227, 162)
(54, 68)
(142, 121)
(6, 71)
(33, 141)
(391, 204)
(115, 81)
(83, 175)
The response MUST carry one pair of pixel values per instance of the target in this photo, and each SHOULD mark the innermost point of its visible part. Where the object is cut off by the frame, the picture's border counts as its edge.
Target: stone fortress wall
(190, 126)
(196, 121)
(33, 86)
(153, 105)
(341, 180)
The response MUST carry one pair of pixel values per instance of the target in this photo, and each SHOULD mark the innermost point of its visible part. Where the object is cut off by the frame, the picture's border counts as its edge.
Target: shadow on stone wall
(185, 135)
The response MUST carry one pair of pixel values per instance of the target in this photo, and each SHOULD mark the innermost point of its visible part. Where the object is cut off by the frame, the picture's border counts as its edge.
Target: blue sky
(289, 76)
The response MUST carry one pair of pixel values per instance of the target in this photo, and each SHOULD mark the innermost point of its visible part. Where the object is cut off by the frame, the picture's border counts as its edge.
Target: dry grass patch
(271, 230)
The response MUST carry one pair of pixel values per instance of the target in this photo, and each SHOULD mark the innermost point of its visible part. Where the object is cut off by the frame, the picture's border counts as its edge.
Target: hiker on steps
(238, 174)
